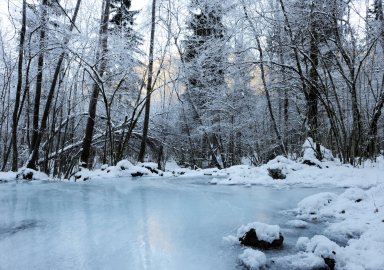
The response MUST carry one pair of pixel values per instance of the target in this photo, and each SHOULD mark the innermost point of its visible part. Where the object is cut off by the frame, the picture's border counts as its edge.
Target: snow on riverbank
(355, 220)
(331, 173)
(353, 235)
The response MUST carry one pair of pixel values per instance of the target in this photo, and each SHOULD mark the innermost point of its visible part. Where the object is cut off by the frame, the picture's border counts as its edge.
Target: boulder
(136, 174)
(250, 239)
(311, 163)
(330, 262)
(25, 175)
(276, 173)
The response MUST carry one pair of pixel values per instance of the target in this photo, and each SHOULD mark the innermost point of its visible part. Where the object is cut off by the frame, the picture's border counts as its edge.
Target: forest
(192, 134)
(205, 83)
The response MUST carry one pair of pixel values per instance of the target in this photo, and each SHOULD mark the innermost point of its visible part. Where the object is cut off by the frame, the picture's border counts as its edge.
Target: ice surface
(149, 223)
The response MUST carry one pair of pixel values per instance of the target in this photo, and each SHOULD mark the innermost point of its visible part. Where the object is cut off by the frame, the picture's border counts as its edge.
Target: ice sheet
(141, 224)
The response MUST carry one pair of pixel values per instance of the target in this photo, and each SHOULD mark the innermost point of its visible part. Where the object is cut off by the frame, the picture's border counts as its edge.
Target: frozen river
(144, 224)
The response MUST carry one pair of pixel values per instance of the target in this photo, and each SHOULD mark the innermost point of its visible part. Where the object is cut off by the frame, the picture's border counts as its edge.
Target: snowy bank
(353, 235)
(296, 173)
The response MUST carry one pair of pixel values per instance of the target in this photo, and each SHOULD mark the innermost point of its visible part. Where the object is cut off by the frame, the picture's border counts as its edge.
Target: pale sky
(136, 4)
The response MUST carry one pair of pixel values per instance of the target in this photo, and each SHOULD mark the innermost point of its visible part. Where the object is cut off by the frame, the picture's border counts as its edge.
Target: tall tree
(205, 62)
(39, 77)
(101, 58)
(18, 87)
(149, 86)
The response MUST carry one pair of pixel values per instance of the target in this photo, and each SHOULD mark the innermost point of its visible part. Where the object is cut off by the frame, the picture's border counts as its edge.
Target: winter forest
(206, 83)
(265, 94)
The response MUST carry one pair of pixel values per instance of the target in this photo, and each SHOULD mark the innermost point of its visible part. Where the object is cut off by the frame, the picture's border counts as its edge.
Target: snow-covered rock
(124, 165)
(29, 174)
(279, 167)
(264, 231)
(322, 246)
(253, 259)
(260, 235)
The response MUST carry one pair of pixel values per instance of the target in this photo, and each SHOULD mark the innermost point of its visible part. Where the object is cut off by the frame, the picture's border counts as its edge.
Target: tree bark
(312, 98)
(39, 77)
(149, 86)
(18, 88)
(101, 57)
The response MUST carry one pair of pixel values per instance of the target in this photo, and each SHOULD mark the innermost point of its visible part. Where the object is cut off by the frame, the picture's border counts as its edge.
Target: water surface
(142, 224)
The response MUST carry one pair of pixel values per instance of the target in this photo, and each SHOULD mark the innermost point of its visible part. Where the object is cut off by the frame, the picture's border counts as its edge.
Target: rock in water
(250, 239)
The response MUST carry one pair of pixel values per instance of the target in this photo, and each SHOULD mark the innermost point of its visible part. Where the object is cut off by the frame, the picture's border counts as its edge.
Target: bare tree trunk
(32, 162)
(312, 98)
(149, 86)
(274, 124)
(18, 88)
(39, 77)
(101, 56)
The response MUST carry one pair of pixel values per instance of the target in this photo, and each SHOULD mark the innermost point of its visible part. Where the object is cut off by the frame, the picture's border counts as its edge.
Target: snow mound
(309, 152)
(300, 261)
(253, 259)
(265, 232)
(354, 194)
(29, 174)
(123, 168)
(322, 246)
(124, 165)
(283, 164)
(302, 243)
(297, 223)
(316, 253)
(313, 206)
(231, 239)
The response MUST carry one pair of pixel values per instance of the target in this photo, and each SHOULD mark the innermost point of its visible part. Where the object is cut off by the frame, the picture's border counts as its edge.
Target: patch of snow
(322, 246)
(231, 239)
(354, 219)
(253, 259)
(171, 165)
(7, 176)
(302, 243)
(36, 175)
(314, 207)
(301, 261)
(297, 223)
(309, 152)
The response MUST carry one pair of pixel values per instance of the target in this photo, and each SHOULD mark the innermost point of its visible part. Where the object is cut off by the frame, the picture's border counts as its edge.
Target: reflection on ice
(122, 224)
